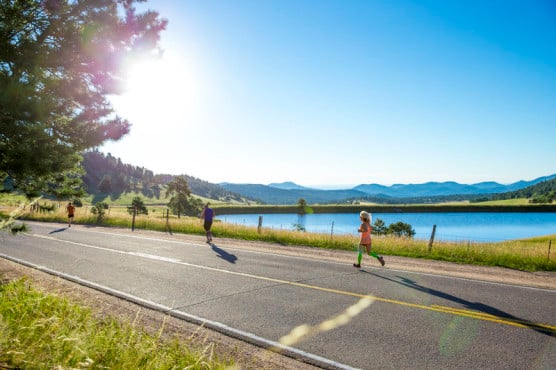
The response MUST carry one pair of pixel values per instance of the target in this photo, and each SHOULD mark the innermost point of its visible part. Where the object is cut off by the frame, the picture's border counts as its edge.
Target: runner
(208, 215)
(365, 239)
(71, 209)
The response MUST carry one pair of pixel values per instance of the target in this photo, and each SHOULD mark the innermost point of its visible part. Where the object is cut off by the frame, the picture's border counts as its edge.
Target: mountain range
(105, 174)
(289, 192)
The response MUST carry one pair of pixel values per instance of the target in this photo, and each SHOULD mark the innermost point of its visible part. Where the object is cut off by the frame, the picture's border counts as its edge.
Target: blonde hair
(366, 216)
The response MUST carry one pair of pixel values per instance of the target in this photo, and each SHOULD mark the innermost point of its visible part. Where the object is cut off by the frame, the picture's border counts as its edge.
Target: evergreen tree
(303, 208)
(67, 186)
(137, 207)
(59, 61)
(178, 190)
(105, 185)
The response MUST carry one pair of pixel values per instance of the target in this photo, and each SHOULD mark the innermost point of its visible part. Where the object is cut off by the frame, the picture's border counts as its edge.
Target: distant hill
(425, 190)
(431, 189)
(273, 195)
(542, 192)
(288, 185)
(430, 192)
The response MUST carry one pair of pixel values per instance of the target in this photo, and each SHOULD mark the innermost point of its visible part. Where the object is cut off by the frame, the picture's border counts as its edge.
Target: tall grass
(529, 254)
(40, 331)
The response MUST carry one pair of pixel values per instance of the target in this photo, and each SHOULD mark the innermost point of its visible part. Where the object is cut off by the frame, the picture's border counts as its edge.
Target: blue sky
(345, 92)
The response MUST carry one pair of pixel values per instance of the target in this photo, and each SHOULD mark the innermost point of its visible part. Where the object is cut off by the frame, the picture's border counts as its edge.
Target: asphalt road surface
(332, 313)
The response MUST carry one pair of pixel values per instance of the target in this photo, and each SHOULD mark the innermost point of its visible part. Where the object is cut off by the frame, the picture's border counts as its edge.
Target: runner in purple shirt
(208, 215)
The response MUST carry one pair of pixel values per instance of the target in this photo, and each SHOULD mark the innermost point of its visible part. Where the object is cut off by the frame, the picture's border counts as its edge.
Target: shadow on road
(58, 230)
(475, 306)
(223, 254)
(168, 228)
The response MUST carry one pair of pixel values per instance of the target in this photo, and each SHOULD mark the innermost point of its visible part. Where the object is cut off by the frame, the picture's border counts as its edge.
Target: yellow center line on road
(448, 310)
(550, 329)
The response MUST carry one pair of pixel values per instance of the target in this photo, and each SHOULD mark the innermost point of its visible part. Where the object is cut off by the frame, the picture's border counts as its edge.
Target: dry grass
(530, 254)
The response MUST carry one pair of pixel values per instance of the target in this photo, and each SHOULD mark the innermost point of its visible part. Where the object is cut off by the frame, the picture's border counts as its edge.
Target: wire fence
(466, 227)
(468, 231)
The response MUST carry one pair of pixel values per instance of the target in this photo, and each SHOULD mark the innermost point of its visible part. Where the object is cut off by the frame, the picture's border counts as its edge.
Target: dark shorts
(208, 225)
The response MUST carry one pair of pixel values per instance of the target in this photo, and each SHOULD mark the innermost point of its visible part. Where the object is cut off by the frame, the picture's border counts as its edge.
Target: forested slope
(107, 174)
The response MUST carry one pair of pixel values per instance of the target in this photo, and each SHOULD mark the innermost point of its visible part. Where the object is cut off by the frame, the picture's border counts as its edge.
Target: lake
(474, 226)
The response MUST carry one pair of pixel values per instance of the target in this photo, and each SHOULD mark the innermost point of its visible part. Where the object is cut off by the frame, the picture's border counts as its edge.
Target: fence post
(332, 230)
(432, 237)
(168, 229)
(549, 246)
(260, 224)
(133, 220)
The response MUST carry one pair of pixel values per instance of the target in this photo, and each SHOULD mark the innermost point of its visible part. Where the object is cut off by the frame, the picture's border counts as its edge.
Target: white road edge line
(213, 325)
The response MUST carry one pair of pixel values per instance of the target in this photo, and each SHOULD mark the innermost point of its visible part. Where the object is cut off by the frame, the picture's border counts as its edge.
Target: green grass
(507, 202)
(125, 199)
(44, 331)
(528, 255)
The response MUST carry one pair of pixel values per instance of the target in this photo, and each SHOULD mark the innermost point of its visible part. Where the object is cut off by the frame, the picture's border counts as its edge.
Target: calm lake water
(479, 227)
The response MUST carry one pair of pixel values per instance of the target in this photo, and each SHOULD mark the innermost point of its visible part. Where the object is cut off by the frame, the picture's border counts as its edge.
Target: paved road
(369, 318)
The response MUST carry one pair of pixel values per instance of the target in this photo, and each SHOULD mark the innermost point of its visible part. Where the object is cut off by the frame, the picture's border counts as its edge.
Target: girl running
(365, 239)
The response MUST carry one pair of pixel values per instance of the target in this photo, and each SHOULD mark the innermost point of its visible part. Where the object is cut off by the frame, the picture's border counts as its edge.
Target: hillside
(272, 195)
(431, 189)
(430, 192)
(542, 192)
(108, 175)
(288, 185)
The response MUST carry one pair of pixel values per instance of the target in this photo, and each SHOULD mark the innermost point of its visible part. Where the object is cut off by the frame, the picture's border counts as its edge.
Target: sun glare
(157, 92)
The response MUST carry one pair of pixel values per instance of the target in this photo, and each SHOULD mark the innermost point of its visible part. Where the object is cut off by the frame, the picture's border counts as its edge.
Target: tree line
(543, 192)
(106, 174)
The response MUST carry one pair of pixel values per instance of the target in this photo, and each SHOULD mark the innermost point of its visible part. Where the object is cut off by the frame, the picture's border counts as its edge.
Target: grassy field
(125, 199)
(533, 254)
(44, 331)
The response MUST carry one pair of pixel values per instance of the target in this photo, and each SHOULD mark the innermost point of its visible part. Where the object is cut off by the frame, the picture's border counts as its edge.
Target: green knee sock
(375, 255)
(359, 257)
